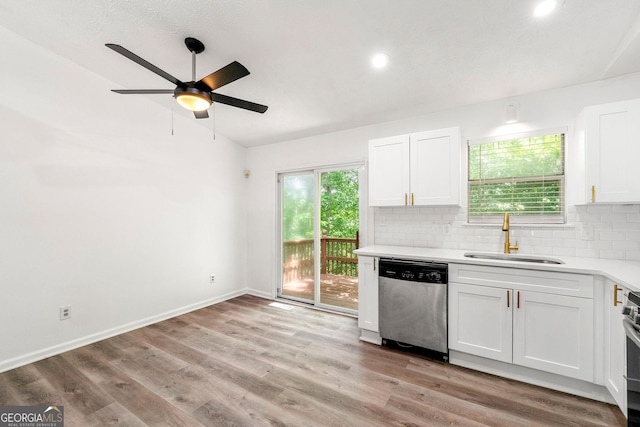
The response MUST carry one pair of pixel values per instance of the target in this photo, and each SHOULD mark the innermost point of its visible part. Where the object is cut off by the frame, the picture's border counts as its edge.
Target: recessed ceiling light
(544, 8)
(379, 60)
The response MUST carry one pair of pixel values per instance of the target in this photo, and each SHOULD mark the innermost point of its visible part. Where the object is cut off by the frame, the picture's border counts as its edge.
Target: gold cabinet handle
(615, 295)
(411, 199)
(593, 194)
(508, 298)
(405, 199)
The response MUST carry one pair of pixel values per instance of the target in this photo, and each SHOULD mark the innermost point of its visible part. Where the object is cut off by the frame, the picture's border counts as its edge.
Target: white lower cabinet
(480, 321)
(615, 344)
(554, 333)
(513, 323)
(368, 299)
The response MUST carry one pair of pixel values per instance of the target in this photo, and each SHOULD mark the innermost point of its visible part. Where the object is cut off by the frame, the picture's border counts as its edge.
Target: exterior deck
(335, 289)
(338, 271)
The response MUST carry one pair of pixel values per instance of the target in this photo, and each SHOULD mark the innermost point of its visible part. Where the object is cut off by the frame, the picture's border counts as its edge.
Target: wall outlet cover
(65, 312)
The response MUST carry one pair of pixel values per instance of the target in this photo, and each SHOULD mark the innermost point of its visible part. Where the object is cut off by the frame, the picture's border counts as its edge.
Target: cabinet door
(615, 342)
(554, 333)
(480, 321)
(389, 171)
(612, 150)
(367, 293)
(435, 167)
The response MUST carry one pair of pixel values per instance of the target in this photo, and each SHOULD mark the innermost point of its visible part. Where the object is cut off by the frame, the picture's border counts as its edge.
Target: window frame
(538, 219)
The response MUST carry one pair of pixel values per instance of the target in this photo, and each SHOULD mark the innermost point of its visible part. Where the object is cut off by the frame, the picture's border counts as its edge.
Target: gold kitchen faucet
(508, 247)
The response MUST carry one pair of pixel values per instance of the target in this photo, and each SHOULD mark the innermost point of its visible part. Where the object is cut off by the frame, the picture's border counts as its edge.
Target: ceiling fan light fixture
(192, 99)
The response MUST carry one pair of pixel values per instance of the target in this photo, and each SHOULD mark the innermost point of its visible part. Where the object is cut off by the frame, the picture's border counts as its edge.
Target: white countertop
(625, 273)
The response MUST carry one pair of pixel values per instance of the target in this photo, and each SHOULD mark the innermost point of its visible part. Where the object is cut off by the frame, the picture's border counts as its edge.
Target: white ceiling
(309, 60)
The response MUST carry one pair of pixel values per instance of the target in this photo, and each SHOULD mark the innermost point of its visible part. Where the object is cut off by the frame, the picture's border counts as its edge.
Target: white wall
(432, 227)
(102, 209)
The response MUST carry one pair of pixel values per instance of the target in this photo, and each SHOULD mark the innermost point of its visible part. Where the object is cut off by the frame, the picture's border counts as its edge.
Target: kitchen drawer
(550, 282)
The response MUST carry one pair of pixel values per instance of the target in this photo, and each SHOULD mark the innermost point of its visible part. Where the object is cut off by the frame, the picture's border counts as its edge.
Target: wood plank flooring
(246, 363)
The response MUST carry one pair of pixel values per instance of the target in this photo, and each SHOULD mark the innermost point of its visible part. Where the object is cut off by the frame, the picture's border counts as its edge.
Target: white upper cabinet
(612, 150)
(389, 171)
(419, 169)
(435, 167)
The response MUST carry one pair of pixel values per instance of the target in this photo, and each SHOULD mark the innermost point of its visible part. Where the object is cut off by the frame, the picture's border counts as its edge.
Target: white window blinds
(522, 175)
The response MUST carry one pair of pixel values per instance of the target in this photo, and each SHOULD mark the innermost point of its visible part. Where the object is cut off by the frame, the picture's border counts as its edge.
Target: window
(520, 174)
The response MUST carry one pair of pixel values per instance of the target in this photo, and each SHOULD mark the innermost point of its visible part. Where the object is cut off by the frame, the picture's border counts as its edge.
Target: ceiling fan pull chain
(214, 119)
(171, 118)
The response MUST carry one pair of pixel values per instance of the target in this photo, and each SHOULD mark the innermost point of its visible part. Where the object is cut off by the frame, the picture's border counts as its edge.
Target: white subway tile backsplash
(564, 251)
(599, 231)
(625, 208)
(626, 245)
(612, 235)
(612, 254)
(574, 243)
(600, 244)
(589, 253)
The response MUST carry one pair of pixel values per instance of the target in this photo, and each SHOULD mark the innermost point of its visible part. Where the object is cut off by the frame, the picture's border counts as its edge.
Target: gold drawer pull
(615, 295)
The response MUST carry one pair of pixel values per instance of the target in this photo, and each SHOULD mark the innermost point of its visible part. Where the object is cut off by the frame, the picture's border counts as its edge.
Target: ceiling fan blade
(201, 114)
(142, 91)
(223, 76)
(240, 103)
(146, 64)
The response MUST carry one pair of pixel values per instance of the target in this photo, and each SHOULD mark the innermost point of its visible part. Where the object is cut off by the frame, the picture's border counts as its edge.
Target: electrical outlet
(65, 312)
(212, 278)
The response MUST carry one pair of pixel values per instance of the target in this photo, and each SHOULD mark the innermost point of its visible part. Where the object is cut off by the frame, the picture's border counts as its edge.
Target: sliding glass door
(297, 199)
(319, 230)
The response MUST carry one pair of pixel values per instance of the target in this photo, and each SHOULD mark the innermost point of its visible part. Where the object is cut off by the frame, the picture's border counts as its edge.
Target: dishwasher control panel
(413, 271)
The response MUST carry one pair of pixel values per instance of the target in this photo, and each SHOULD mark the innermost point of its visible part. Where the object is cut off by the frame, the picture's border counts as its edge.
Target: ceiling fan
(196, 96)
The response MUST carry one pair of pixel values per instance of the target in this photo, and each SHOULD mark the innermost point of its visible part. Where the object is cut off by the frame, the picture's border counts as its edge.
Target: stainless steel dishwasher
(413, 305)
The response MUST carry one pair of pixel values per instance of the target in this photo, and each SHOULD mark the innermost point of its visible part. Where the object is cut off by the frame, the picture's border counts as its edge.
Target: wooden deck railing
(336, 257)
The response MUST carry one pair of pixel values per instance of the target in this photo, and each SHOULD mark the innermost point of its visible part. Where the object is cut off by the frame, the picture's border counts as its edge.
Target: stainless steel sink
(513, 257)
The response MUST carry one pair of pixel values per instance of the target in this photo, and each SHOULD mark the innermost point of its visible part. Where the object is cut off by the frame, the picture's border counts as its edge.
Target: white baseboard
(40, 354)
(370, 336)
(261, 294)
(531, 376)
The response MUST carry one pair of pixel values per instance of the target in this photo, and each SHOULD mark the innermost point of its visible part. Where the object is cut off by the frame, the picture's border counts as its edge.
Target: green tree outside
(339, 205)
(507, 176)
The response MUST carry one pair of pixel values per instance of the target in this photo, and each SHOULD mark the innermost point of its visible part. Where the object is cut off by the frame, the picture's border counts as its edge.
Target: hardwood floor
(243, 362)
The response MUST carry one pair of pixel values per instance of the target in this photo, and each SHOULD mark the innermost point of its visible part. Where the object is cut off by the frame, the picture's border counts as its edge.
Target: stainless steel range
(632, 328)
